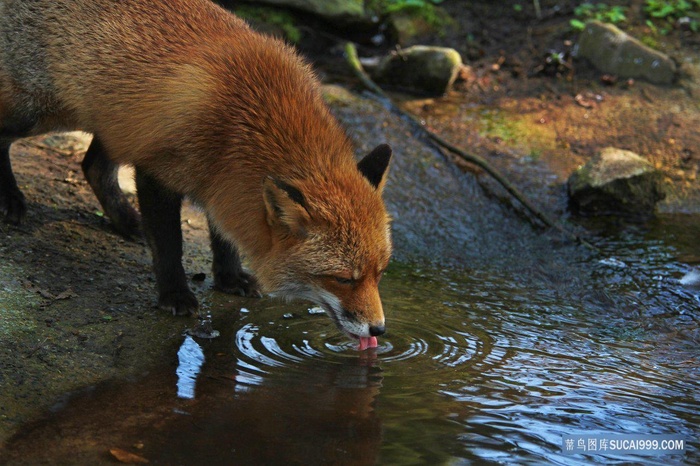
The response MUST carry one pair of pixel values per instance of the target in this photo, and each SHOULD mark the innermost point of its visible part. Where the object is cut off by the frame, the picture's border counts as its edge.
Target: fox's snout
(356, 321)
(356, 328)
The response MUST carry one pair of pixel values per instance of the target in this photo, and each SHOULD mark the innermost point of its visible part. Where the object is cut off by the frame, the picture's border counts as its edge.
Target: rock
(613, 52)
(616, 182)
(422, 69)
(333, 10)
(407, 29)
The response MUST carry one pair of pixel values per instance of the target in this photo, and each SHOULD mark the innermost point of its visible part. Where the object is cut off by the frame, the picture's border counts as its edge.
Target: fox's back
(138, 73)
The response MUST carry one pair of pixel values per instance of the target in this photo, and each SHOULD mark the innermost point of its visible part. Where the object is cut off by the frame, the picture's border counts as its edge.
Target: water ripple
(291, 340)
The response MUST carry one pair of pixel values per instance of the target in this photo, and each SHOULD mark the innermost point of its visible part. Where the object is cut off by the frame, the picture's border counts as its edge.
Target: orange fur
(189, 93)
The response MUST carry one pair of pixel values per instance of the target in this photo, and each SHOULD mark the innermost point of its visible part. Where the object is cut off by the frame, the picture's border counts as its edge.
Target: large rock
(422, 69)
(616, 182)
(346, 10)
(614, 52)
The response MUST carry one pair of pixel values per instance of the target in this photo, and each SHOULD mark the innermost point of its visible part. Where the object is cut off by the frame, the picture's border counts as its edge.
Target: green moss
(516, 129)
(425, 10)
(650, 41)
(497, 126)
(278, 19)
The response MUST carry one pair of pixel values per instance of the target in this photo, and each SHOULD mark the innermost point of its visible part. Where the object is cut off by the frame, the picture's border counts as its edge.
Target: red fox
(203, 107)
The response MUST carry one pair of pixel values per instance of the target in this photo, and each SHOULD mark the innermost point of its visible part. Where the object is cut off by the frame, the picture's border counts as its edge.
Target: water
(479, 367)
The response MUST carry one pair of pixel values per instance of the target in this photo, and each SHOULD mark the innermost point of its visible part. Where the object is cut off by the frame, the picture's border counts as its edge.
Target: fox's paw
(14, 206)
(179, 303)
(240, 284)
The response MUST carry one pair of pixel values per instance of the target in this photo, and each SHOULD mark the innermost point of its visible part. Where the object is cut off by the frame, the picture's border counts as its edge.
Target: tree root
(354, 62)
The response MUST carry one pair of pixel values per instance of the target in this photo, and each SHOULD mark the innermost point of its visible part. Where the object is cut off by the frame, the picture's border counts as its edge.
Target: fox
(207, 109)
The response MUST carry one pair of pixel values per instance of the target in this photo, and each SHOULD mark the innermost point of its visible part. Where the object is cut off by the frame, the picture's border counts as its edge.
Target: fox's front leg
(160, 212)
(229, 275)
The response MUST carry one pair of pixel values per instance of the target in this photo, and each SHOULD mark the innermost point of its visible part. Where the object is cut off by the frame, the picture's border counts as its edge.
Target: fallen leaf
(583, 102)
(67, 294)
(124, 456)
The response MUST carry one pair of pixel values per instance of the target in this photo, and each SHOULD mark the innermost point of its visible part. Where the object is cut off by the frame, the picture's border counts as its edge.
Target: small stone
(616, 182)
(422, 69)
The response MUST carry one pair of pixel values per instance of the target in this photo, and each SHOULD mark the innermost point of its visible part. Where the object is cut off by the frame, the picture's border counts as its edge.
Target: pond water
(478, 367)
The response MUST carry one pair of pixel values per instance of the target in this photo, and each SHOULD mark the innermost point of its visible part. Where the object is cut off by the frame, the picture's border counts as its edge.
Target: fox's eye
(344, 280)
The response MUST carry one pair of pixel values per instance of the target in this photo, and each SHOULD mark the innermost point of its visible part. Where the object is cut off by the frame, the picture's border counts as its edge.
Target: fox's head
(331, 241)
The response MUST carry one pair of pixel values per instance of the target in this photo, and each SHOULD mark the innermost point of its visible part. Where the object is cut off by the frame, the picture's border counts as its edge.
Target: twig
(354, 61)
(37, 347)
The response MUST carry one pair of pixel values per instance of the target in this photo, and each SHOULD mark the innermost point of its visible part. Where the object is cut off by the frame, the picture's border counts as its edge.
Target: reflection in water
(479, 368)
(191, 358)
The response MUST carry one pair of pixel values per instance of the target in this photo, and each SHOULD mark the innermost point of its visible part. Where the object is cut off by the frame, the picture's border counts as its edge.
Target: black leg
(12, 201)
(229, 276)
(160, 209)
(101, 174)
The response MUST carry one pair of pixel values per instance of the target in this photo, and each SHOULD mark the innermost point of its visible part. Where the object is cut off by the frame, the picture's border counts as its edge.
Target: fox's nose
(376, 330)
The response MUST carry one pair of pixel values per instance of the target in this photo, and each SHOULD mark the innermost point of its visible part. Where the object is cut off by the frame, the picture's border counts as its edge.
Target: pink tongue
(367, 342)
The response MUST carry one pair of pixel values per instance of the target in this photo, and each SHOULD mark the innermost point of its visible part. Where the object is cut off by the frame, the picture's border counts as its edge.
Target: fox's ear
(285, 206)
(375, 164)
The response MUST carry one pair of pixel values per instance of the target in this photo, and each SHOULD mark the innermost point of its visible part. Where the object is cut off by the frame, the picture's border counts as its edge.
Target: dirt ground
(538, 122)
(532, 119)
(88, 289)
